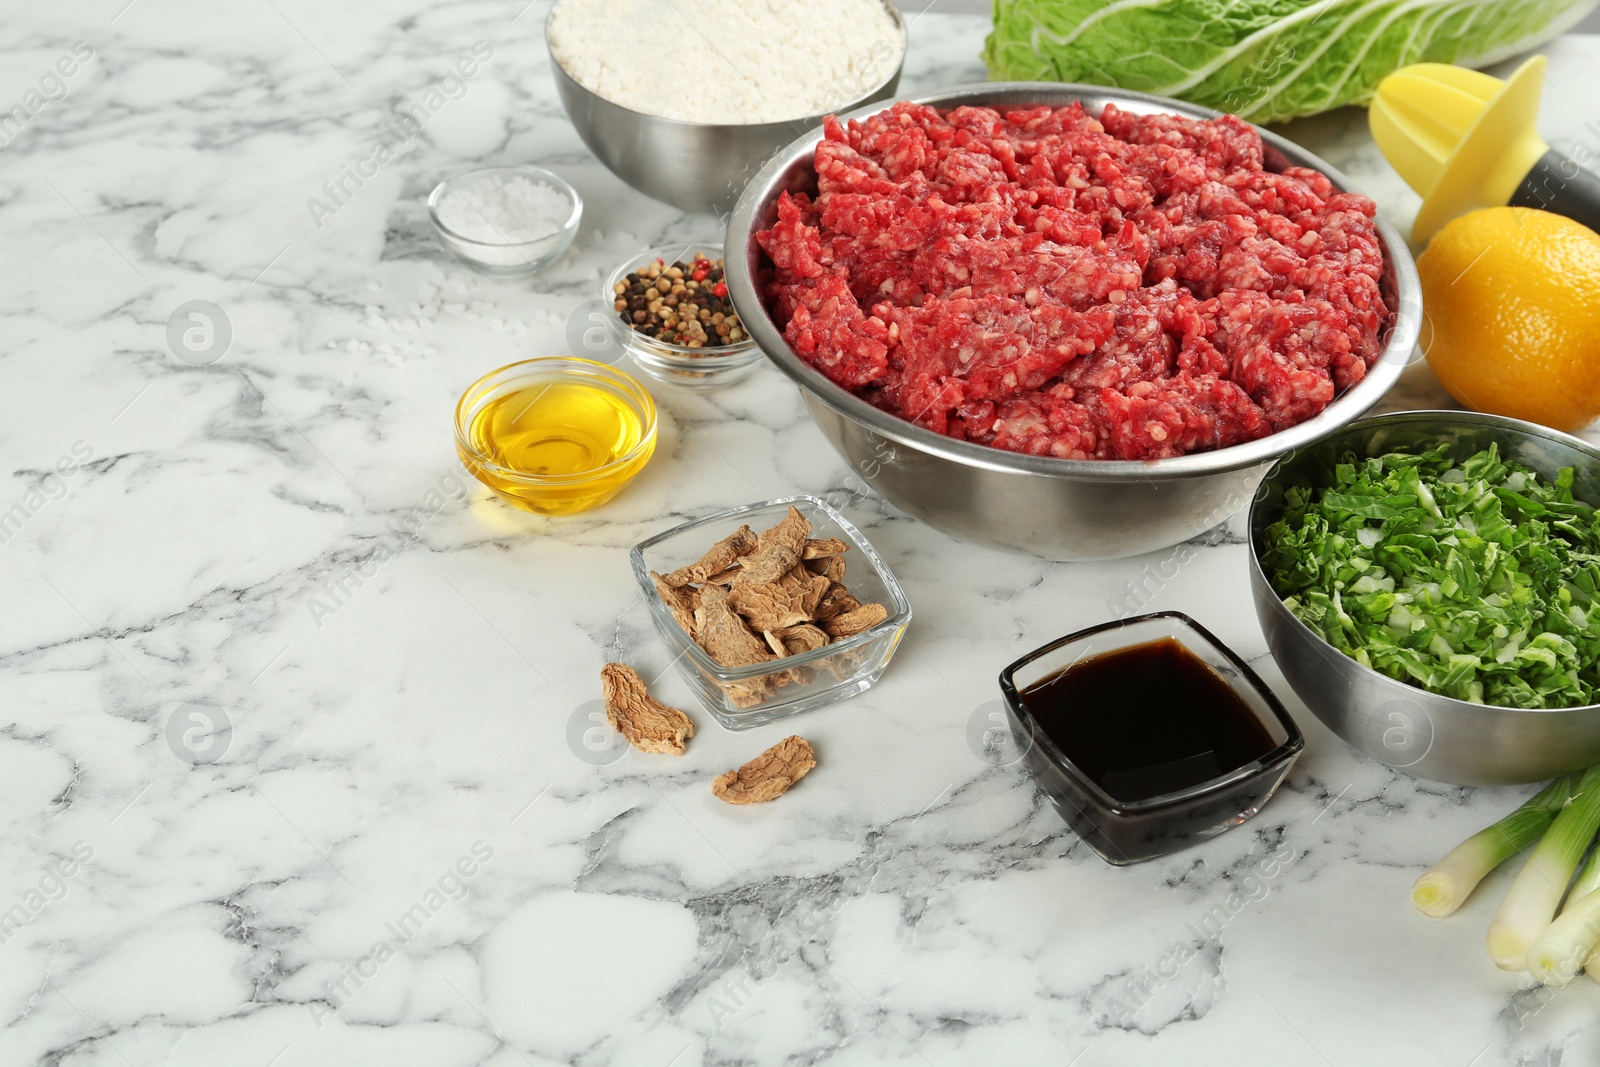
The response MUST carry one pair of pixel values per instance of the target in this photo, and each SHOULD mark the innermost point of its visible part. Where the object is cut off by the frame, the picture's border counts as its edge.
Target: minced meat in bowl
(1078, 284)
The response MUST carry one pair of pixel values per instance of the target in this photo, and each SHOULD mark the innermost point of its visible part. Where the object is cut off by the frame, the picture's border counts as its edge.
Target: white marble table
(389, 853)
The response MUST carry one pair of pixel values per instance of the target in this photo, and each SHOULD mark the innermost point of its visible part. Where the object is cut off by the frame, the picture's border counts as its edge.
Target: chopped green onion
(1555, 955)
(1531, 904)
(1474, 578)
(1445, 886)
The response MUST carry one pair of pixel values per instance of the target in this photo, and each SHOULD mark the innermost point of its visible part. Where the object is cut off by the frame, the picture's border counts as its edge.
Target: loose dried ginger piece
(680, 601)
(854, 622)
(769, 775)
(777, 551)
(723, 554)
(648, 724)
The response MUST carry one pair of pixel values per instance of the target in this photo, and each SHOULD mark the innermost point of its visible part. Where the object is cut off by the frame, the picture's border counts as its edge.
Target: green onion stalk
(1569, 943)
(1588, 882)
(1445, 886)
(1531, 904)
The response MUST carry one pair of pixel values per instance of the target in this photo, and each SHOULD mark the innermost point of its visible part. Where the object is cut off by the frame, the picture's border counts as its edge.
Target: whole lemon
(1512, 303)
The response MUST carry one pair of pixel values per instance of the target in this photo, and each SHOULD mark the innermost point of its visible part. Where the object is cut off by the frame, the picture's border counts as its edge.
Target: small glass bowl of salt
(506, 220)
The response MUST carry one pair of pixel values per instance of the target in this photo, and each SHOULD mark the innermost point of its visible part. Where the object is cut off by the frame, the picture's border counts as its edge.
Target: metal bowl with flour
(1056, 508)
(695, 166)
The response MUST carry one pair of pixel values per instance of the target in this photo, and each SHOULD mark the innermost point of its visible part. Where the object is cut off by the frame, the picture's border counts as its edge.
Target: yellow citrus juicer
(1466, 140)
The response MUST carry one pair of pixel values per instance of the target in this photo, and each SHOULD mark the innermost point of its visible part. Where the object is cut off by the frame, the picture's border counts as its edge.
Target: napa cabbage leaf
(1266, 60)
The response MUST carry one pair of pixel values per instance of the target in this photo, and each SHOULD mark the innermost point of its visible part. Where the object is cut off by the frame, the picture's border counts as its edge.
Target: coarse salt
(753, 60)
(496, 209)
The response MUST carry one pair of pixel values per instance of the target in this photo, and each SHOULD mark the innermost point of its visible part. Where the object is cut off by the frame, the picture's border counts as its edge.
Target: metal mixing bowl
(695, 166)
(1428, 735)
(1056, 508)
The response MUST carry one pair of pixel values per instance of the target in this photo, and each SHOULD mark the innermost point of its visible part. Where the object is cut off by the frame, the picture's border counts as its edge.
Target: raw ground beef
(1127, 287)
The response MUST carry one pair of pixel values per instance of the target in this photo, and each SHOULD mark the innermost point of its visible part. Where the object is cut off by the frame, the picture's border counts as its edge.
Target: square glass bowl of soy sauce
(1148, 735)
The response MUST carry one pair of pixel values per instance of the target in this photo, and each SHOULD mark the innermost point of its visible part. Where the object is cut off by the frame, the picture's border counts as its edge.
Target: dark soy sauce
(1147, 720)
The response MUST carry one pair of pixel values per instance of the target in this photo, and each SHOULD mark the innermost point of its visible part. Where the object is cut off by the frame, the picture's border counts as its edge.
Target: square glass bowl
(678, 365)
(834, 672)
(1128, 831)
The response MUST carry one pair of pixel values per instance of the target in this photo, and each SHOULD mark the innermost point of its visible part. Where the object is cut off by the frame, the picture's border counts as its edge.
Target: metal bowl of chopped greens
(1429, 584)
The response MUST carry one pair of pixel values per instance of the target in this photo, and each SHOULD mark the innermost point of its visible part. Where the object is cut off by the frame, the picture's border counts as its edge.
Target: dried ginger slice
(853, 622)
(837, 601)
(756, 690)
(723, 634)
(790, 601)
(793, 640)
(798, 639)
(819, 548)
(777, 551)
(769, 775)
(648, 724)
(722, 555)
(680, 601)
(830, 567)
(816, 587)
(723, 577)
(844, 664)
(769, 607)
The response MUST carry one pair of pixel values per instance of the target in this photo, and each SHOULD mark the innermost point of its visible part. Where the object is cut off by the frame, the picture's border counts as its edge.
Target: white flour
(727, 61)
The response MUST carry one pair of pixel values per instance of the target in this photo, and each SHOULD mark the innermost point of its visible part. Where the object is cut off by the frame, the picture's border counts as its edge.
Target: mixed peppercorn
(680, 304)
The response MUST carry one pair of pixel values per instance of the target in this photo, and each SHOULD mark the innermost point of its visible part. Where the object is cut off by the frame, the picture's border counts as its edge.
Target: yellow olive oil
(552, 432)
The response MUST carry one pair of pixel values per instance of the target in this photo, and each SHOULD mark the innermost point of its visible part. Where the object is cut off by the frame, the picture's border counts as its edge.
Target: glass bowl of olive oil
(556, 435)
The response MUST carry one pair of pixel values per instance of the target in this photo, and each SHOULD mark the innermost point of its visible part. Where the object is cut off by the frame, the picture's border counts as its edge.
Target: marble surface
(292, 757)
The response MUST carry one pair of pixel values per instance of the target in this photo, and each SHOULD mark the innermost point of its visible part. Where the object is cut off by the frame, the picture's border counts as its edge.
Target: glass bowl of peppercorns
(672, 313)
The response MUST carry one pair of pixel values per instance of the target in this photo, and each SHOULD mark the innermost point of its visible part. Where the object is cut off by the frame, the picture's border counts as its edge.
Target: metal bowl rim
(1342, 410)
(854, 102)
(1434, 701)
